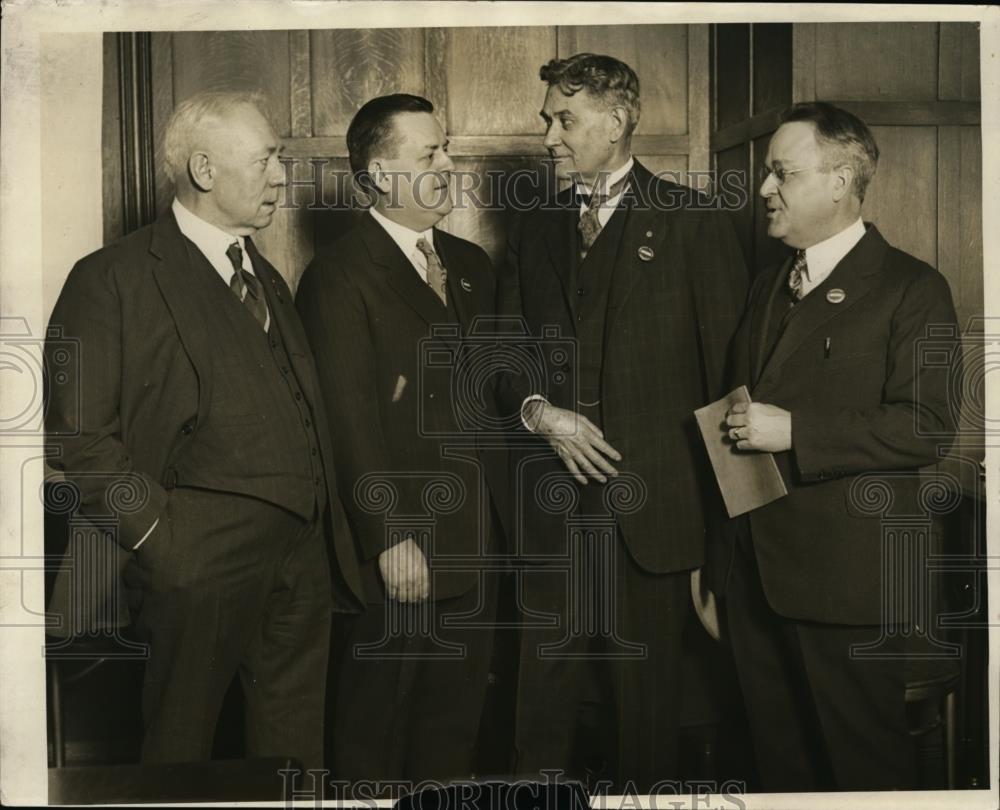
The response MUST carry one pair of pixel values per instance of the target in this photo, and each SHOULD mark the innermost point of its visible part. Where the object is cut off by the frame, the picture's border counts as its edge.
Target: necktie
(795, 275)
(436, 274)
(589, 225)
(247, 286)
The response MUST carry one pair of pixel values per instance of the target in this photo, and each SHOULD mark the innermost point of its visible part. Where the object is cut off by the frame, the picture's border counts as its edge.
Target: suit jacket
(873, 406)
(143, 381)
(399, 377)
(677, 291)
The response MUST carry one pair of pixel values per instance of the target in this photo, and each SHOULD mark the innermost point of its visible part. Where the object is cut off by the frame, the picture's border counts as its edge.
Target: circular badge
(466, 285)
(646, 253)
(836, 295)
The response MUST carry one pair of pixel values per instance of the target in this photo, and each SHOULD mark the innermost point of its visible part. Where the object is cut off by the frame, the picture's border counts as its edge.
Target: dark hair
(372, 127)
(606, 78)
(844, 136)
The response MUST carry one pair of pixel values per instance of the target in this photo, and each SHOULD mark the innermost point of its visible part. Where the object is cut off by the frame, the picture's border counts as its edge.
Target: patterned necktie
(795, 275)
(589, 225)
(247, 286)
(436, 274)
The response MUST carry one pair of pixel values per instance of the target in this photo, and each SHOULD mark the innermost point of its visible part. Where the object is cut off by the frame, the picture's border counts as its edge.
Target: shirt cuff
(148, 532)
(532, 398)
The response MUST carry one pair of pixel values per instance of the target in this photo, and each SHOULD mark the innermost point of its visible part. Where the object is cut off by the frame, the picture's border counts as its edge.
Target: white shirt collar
(822, 257)
(614, 177)
(210, 239)
(406, 239)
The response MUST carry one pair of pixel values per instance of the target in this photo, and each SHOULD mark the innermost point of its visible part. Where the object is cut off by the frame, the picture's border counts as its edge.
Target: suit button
(316, 480)
(187, 428)
(314, 451)
(284, 369)
(308, 423)
(298, 395)
(274, 344)
(581, 291)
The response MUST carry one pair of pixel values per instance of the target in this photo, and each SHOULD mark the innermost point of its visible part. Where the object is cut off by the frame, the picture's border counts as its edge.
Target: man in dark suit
(647, 283)
(390, 313)
(200, 417)
(829, 348)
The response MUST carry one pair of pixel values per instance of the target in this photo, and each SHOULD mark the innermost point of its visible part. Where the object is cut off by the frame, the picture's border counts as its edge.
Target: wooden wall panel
(163, 106)
(111, 145)
(737, 159)
(772, 66)
(862, 61)
(352, 66)
(492, 79)
(958, 73)
(902, 198)
(656, 52)
(732, 84)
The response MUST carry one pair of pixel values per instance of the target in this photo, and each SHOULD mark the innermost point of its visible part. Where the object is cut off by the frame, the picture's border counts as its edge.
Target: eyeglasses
(780, 173)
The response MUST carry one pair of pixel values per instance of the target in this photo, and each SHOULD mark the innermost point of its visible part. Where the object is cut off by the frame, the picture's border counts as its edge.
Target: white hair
(188, 122)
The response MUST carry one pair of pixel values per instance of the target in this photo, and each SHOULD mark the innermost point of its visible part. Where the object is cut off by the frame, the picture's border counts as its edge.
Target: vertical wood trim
(436, 48)
(111, 154)
(949, 62)
(163, 106)
(698, 97)
(803, 62)
(949, 213)
(135, 90)
(300, 80)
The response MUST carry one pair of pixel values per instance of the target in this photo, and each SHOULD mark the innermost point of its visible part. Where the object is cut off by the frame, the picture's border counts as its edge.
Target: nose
(279, 172)
(769, 187)
(446, 163)
(552, 138)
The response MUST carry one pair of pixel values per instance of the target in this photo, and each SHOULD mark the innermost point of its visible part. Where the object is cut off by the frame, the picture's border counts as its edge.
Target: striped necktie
(436, 274)
(247, 286)
(589, 225)
(795, 275)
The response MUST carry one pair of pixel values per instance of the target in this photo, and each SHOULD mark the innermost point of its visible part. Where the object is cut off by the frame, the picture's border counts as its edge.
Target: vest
(260, 436)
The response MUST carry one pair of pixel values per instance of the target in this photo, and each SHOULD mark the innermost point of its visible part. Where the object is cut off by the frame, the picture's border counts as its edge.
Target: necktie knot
(589, 225)
(437, 276)
(799, 269)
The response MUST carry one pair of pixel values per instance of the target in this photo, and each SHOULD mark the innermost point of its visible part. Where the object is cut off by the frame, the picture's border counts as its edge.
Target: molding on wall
(135, 93)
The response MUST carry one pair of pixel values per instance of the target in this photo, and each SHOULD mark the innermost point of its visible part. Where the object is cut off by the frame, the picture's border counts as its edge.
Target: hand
(577, 441)
(756, 426)
(405, 572)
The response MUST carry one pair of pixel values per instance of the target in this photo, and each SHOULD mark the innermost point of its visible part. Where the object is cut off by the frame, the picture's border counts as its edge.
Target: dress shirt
(407, 241)
(822, 257)
(609, 206)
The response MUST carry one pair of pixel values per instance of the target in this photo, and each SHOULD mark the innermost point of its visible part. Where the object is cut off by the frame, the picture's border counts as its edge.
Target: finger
(571, 466)
(599, 461)
(734, 434)
(736, 420)
(604, 447)
(585, 466)
(739, 407)
(745, 444)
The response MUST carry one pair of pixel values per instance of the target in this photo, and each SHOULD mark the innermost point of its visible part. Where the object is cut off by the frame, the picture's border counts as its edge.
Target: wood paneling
(300, 79)
(235, 60)
(163, 106)
(352, 66)
(902, 199)
(111, 144)
(772, 66)
(492, 79)
(958, 72)
(657, 52)
(960, 221)
(732, 74)
(877, 61)
(737, 159)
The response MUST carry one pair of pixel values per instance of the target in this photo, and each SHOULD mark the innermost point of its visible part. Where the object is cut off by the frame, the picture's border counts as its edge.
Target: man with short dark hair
(197, 393)
(389, 310)
(830, 350)
(648, 282)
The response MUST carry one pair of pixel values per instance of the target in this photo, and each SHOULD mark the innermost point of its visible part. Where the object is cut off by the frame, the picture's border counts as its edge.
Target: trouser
(229, 584)
(600, 630)
(821, 719)
(411, 688)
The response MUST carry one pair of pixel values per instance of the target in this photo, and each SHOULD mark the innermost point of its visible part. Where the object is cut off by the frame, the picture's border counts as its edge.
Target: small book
(747, 478)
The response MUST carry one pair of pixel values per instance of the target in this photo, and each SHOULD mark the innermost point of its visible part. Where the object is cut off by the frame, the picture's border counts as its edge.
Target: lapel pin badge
(649, 234)
(836, 296)
(646, 253)
(466, 285)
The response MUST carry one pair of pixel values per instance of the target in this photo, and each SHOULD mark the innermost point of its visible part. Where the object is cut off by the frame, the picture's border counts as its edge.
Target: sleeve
(915, 415)
(82, 405)
(336, 324)
(719, 279)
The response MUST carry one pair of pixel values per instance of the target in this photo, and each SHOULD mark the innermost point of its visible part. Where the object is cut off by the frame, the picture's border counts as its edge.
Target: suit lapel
(461, 282)
(174, 274)
(400, 274)
(643, 231)
(854, 275)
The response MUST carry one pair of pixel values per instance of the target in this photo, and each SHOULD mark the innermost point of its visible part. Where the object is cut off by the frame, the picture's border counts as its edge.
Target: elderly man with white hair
(196, 393)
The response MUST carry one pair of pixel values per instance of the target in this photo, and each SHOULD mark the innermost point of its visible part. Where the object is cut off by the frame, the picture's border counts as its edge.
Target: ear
(379, 176)
(618, 119)
(843, 177)
(202, 171)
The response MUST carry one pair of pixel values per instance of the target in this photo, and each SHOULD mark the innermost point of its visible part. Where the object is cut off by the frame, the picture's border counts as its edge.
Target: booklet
(747, 478)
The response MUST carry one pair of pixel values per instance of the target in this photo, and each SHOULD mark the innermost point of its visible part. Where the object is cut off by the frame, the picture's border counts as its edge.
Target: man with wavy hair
(647, 279)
